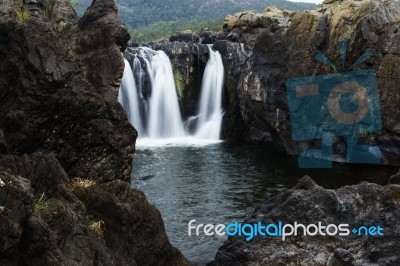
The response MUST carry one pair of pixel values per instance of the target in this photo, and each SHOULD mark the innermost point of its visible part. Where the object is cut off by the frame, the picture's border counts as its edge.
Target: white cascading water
(165, 118)
(129, 99)
(163, 122)
(210, 114)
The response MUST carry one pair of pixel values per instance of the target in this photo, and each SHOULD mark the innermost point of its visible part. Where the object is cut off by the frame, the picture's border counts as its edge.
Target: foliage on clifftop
(164, 29)
(156, 19)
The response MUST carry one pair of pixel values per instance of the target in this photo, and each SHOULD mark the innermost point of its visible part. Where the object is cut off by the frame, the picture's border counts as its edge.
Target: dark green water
(223, 182)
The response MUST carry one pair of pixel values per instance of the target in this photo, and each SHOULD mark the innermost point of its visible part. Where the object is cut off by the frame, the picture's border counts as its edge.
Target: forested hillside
(156, 18)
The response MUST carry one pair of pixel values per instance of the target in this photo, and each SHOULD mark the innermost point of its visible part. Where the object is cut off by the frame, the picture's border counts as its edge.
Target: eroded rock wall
(285, 45)
(66, 146)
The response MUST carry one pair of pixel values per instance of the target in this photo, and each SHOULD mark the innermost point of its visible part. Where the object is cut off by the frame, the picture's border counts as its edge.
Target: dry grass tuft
(97, 227)
(80, 182)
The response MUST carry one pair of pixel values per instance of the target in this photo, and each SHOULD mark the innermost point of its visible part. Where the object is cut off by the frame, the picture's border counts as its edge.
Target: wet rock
(365, 204)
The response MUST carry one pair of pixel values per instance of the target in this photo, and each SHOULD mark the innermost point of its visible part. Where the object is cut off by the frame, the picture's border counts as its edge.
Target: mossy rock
(179, 82)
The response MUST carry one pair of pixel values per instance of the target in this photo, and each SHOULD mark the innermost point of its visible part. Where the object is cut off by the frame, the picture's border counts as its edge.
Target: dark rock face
(263, 51)
(208, 37)
(8, 8)
(185, 36)
(395, 179)
(64, 13)
(78, 222)
(48, 105)
(365, 204)
(144, 239)
(99, 44)
(66, 147)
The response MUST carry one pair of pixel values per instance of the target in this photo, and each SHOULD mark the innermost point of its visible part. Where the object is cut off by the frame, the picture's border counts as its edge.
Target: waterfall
(165, 118)
(210, 113)
(129, 99)
(149, 96)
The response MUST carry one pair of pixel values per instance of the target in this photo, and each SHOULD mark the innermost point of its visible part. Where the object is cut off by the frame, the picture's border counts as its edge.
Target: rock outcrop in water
(66, 146)
(262, 51)
(365, 204)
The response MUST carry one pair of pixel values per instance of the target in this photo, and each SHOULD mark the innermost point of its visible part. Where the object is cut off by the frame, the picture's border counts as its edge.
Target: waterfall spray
(129, 99)
(210, 113)
(165, 118)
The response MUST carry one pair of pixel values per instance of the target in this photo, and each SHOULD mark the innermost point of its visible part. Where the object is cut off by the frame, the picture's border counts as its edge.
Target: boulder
(365, 204)
(207, 36)
(48, 219)
(245, 27)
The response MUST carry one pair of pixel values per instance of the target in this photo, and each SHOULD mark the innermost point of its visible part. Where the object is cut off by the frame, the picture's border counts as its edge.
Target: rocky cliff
(261, 52)
(65, 144)
(286, 48)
